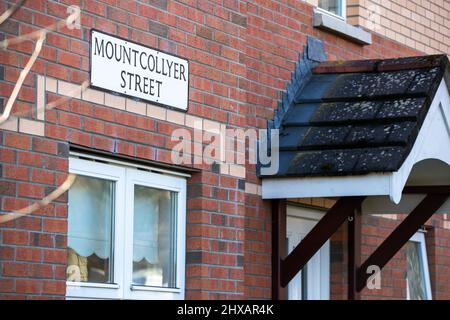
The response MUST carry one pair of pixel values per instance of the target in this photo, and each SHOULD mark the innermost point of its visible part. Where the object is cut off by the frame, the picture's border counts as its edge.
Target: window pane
(415, 272)
(154, 237)
(333, 6)
(90, 230)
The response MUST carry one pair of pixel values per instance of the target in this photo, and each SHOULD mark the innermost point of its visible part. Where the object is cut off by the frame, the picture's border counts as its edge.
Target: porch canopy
(376, 135)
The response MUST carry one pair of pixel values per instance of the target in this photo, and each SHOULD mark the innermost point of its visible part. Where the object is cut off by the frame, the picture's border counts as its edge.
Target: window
(126, 236)
(417, 276)
(336, 7)
(313, 281)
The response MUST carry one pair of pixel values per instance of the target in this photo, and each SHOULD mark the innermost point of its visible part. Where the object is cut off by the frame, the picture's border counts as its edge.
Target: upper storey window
(336, 7)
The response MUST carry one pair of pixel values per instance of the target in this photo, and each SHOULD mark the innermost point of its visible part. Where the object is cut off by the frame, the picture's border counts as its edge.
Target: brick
(31, 127)
(114, 101)
(28, 286)
(162, 4)
(69, 59)
(7, 188)
(55, 225)
(54, 287)
(158, 29)
(55, 256)
(7, 285)
(136, 107)
(41, 239)
(94, 125)
(15, 237)
(69, 89)
(13, 269)
(28, 190)
(94, 96)
(44, 145)
(70, 120)
(16, 172)
(239, 19)
(156, 112)
(7, 155)
(12, 124)
(51, 85)
(28, 254)
(29, 223)
(238, 171)
(18, 141)
(175, 117)
(42, 271)
(104, 143)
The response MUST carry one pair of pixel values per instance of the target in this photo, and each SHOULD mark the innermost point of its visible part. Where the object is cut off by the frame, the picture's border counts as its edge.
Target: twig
(35, 206)
(22, 77)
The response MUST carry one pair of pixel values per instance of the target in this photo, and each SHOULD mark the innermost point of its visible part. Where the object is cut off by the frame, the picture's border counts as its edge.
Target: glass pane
(90, 230)
(415, 272)
(154, 237)
(333, 6)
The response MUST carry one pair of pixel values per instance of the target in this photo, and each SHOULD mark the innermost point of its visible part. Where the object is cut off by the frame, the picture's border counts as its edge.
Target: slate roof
(358, 117)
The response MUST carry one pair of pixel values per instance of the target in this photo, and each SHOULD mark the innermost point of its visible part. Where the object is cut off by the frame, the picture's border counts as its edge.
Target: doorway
(313, 281)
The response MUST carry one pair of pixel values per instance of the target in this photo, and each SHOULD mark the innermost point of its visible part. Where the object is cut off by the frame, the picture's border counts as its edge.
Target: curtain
(91, 208)
(146, 220)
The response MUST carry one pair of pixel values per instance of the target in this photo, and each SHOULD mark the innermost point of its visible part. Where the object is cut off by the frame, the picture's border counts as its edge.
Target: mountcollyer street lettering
(138, 71)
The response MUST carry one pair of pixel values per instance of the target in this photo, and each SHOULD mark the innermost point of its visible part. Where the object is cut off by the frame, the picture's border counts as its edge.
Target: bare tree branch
(35, 206)
(9, 12)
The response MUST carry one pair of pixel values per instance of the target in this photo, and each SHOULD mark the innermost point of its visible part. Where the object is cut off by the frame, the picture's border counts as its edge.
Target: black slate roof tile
(300, 113)
(345, 111)
(369, 134)
(324, 136)
(424, 81)
(327, 162)
(400, 132)
(401, 108)
(359, 117)
(290, 137)
(357, 85)
(380, 159)
(316, 88)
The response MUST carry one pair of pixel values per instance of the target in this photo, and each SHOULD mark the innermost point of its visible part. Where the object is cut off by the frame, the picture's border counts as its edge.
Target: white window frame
(342, 16)
(419, 237)
(125, 177)
(314, 291)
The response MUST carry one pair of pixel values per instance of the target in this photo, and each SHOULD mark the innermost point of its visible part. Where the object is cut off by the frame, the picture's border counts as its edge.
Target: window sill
(92, 285)
(338, 26)
(156, 289)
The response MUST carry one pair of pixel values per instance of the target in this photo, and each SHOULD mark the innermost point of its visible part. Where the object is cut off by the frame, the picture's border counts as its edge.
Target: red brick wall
(241, 56)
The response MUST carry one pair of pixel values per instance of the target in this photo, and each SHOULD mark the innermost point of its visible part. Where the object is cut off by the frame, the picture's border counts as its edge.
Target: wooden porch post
(279, 247)
(354, 253)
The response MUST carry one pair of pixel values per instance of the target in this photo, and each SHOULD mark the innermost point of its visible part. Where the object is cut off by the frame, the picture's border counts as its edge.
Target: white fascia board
(433, 142)
(312, 187)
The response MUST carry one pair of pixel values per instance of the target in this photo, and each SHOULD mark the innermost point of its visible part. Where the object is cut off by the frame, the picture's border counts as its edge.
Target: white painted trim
(419, 237)
(431, 143)
(158, 181)
(125, 178)
(342, 6)
(371, 184)
(116, 174)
